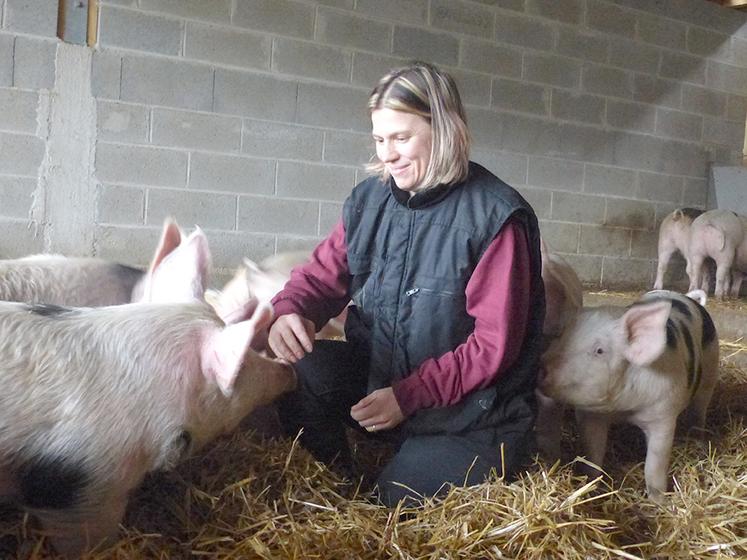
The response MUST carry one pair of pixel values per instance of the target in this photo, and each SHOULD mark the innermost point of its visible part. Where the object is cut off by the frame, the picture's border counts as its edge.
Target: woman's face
(403, 144)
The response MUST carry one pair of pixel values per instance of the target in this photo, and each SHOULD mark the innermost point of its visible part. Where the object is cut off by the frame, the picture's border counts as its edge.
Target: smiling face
(403, 144)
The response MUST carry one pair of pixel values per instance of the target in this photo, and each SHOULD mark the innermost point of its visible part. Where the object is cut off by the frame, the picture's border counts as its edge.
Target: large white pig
(80, 281)
(94, 398)
(563, 301)
(674, 236)
(644, 365)
(722, 236)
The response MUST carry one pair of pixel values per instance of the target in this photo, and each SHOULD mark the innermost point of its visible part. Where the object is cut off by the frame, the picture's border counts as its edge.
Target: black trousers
(332, 378)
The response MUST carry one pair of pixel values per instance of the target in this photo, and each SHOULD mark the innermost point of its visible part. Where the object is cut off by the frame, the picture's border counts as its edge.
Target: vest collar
(419, 199)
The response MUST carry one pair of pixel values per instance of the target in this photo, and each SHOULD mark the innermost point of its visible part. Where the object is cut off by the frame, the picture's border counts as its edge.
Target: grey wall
(248, 118)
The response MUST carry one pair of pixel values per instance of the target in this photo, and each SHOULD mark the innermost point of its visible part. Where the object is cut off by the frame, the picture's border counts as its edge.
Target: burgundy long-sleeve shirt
(497, 296)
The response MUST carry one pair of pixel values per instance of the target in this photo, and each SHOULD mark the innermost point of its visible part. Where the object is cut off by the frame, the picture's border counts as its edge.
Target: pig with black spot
(644, 364)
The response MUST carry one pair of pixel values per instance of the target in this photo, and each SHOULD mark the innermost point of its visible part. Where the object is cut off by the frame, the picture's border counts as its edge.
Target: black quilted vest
(410, 260)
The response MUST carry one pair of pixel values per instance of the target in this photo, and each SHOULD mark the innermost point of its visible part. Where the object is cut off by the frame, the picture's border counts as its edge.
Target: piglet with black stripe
(644, 364)
(94, 398)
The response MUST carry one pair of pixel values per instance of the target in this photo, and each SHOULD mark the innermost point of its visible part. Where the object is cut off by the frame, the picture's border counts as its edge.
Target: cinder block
(284, 17)
(462, 17)
(588, 268)
(18, 112)
(725, 133)
(38, 17)
(412, 11)
(512, 95)
(524, 31)
(694, 192)
(139, 31)
(552, 70)
(302, 58)
(227, 46)
(348, 30)
(214, 172)
(567, 11)
(708, 43)
(644, 244)
(560, 237)
(106, 73)
(738, 51)
(661, 155)
(578, 208)
(196, 130)
(474, 89)
(368, 69)
(484, 56)
(335, 107)
(608, 18)
(726, 77)
(346, 4)
(122, 122)
(216, 11)
(696, 99)
(131, 245)
(34, 61)
(634, 56)
(276, 215)
(631, 116)
(16, 196)
(664, 188)
(348, 148)
(254, 95)
(557, 174)
(662, 32)
(268, 139)
(329, 215)
(228, 249)
(601, 179)
(511, 168)
(207, 210)
(143, 165)
(6, 59)
(736, 108)
(627, 273)
(20, 154)
(414, 42)
(116, 204)
(601, 240)
(665, 93)
(605, 80)
(582, 44)
(574, 106)
(682, 67)
(169, 82)
(539, 199)
(677, 124)
(18, 239)
(319, 182)
(634, 214)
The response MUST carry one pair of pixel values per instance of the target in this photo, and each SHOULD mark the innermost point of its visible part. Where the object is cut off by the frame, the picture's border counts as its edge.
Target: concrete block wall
(248, 117)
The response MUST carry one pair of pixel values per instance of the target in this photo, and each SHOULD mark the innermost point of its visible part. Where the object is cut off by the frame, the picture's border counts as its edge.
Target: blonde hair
(422, 89)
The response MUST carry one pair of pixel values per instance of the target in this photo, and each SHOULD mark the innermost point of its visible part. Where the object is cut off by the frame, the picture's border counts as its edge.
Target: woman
(441, 260)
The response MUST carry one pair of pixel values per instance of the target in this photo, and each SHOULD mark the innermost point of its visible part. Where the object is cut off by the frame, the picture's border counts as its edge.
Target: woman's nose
(387, 153)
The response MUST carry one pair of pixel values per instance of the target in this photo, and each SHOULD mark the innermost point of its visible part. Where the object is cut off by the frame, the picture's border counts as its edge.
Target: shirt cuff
(412, 394)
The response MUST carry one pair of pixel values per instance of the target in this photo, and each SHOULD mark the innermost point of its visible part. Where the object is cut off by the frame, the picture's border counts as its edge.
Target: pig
(644, 364)
(563, 301)
(79, 281)
(674, 236)
(722, 236)
(95, 398)
(263, 281)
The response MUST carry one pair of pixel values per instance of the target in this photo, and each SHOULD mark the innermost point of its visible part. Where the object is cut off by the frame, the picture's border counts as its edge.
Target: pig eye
(598, 351)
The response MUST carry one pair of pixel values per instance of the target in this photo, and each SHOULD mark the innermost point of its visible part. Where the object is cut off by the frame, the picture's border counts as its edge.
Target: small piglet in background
(722, 236)
(644, 365)
(674, 236)
(95, 398)
(80, 281)
(563, 301)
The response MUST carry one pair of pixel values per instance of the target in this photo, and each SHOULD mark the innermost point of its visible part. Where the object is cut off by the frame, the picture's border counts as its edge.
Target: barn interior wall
(247, 117)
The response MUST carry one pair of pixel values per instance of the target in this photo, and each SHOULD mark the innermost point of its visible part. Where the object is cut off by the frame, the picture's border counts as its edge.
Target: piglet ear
(644, 332)
(224, 351)
(181, 275)
(171, 237)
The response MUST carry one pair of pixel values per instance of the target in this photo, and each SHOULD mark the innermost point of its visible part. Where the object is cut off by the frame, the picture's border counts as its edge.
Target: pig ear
(182, 274)
(645, 332)
(171, 237)
(225, 350)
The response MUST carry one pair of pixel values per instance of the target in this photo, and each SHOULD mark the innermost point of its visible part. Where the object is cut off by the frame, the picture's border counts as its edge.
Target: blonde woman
(441, 261)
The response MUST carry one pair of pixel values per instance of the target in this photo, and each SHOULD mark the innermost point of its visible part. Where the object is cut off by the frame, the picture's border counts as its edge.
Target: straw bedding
(253, 497)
